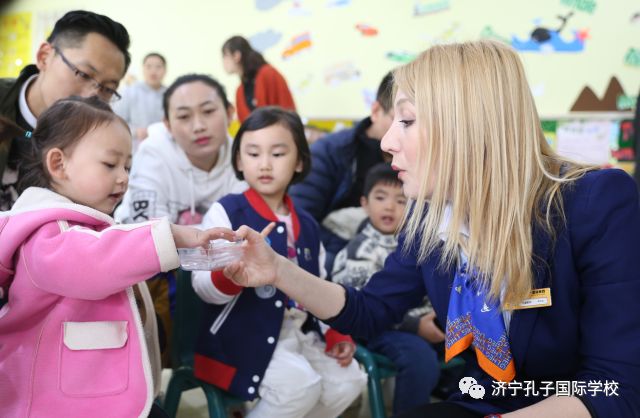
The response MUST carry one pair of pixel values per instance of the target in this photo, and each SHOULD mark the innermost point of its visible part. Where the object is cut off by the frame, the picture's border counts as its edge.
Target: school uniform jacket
(590, 333)
(240, 330)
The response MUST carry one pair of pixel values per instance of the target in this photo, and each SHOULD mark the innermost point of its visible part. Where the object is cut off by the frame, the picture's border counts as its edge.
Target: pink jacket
(71, 338)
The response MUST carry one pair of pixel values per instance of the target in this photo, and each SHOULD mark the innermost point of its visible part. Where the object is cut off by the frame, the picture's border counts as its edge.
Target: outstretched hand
(259, 264)
(190, 237)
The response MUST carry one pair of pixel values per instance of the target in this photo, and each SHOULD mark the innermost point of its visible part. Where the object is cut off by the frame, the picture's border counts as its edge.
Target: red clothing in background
(270, 90)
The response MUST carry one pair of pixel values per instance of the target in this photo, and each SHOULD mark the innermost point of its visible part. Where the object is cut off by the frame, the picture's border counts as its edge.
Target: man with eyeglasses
(85, 55)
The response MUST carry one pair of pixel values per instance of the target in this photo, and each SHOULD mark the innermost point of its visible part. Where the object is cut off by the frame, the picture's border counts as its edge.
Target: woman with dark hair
(261, 84)
(185, 165)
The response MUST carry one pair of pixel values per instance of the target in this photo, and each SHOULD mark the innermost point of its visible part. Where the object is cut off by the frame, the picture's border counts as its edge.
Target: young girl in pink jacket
(71, 338)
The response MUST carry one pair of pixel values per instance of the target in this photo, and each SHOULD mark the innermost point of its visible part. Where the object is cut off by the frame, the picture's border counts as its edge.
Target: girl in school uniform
(259, 342)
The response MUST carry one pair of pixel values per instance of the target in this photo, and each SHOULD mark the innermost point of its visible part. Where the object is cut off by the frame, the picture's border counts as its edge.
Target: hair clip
(27, 134)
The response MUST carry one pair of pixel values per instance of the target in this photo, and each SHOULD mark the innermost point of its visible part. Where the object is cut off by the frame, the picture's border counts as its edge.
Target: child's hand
(428, 329)
(190, 237)
(259, 264)
(343, 352)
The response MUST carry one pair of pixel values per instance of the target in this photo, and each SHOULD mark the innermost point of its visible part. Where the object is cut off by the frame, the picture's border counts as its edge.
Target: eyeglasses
(105, 93)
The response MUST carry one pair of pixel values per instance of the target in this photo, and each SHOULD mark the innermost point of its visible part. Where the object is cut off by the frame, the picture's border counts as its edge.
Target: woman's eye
(278, 154)
(406, 122)
(109, 165)
(252, 154)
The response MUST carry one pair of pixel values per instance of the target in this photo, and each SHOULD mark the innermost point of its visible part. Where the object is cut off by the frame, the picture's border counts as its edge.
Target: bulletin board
(580, 55)
(605, 139)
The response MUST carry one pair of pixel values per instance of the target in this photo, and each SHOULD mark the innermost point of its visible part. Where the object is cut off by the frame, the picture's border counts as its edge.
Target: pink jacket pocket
(94, 358)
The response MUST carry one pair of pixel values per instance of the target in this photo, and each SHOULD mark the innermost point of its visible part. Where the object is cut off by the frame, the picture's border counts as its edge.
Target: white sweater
(163, 182)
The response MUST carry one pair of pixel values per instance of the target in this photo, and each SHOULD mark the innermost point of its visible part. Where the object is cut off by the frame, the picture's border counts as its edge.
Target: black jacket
(9, 108)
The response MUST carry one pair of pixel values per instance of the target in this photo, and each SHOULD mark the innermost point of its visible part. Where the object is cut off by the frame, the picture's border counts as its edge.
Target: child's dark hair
(157, 55)
(71, 29)
(251, 60)
(60, 126)
(385, 92)
(380, 173)
(266, 116)
(192, 78)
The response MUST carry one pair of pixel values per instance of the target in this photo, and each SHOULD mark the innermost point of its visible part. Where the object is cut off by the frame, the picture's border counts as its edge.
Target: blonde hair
(482, 140)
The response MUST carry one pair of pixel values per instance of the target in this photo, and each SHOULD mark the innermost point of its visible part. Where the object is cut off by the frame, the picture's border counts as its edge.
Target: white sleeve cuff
(165, 245)
(203, 286)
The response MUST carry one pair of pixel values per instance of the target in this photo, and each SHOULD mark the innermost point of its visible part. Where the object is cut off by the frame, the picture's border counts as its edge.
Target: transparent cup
(217, 256)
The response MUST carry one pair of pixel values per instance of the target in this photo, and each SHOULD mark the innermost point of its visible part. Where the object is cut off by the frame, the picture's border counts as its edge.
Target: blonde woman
(510, 225)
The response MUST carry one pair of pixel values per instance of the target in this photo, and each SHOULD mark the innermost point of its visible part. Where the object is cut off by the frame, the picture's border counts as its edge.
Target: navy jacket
(328, 184)
(237, 339)
(636, 136)
(592, 330)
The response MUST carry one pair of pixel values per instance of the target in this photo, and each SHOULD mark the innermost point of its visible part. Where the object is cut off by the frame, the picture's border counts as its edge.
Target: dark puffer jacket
(329, 184)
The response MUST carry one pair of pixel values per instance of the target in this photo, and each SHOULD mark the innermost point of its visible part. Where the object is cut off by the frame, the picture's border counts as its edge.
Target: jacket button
(271, 340)
(280, 229)
(278, 304)
(251, 390)
(256, 378)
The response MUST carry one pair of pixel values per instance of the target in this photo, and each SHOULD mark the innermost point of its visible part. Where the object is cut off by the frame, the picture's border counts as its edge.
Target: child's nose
(265, 163)
(123, 177)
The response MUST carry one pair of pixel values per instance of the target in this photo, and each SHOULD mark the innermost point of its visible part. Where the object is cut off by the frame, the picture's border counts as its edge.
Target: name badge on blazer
(538, 298)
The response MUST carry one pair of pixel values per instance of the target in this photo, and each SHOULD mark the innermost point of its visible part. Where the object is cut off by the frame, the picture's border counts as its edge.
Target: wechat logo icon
(470, 385)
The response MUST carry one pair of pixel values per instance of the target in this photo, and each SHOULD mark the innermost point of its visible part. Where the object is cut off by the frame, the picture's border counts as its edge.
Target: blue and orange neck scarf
(474, 320)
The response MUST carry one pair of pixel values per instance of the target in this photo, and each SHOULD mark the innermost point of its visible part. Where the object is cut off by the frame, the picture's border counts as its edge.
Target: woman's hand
(428, 329)
(343, 352)
(260, 264)
(190, 237)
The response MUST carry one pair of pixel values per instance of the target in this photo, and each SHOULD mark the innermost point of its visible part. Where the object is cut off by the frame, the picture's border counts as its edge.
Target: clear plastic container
(220, 254)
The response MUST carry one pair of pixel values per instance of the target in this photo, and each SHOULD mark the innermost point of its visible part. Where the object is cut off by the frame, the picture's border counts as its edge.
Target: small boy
(408, 345)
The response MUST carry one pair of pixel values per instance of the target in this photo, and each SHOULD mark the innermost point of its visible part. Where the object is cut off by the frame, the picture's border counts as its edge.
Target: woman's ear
(231, 109)
(54, 161)
(299, 166)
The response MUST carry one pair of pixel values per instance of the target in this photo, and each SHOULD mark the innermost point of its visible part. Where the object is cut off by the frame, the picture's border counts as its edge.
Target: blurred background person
(261, 84)
(141, 103)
